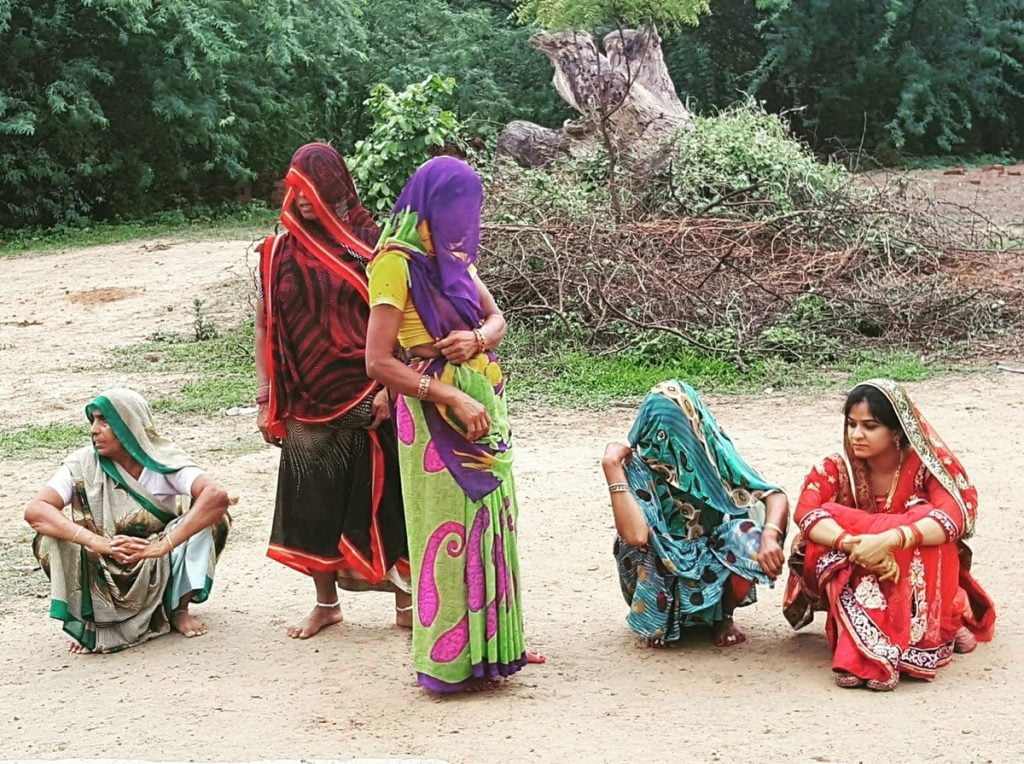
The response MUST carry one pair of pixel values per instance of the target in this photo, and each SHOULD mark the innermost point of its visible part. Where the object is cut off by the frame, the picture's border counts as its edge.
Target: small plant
(202, 327)
(407, 127)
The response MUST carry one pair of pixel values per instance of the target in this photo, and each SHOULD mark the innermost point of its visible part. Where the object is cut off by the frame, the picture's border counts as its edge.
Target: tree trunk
(624, 94)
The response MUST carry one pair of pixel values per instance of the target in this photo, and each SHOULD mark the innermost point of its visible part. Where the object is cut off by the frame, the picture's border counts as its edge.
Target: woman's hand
(770, 556)
(130, 549)
(473, 416)
(380, 408)
(263, 423)
(99, 544)
(874, 552)
(459, 346)
(617, 455)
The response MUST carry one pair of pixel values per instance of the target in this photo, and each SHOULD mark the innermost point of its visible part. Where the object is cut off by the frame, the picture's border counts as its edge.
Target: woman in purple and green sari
(454, 439)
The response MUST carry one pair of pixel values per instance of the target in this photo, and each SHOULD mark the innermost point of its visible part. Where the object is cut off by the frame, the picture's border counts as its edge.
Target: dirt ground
(245, 691)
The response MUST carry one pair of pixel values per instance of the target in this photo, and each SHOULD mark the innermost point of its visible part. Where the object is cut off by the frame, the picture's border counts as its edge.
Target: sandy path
(245, 691)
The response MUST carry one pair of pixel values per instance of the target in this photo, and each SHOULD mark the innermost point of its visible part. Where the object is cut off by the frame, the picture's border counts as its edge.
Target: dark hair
(881, 408)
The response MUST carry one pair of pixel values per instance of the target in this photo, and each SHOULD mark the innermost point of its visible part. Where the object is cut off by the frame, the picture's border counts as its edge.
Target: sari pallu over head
(435, 226)
(906, 626)
(103, 605)
(699, 497)
(315, 294)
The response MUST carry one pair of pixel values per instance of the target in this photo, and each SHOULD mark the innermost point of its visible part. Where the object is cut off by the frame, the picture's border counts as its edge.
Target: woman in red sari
(338, 516)
(881, 547)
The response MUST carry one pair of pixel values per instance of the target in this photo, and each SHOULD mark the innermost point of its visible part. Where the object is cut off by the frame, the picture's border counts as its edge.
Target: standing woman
(455, 443)
(881, 547)
(338, 516)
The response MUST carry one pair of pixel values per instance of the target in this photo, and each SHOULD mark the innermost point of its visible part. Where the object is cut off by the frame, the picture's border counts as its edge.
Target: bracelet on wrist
(618, 487)
(770, 526)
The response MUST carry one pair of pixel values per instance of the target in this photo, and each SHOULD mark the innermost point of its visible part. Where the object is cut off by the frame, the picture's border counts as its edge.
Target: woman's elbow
(32, 515)
(374, 364)
(634, 538)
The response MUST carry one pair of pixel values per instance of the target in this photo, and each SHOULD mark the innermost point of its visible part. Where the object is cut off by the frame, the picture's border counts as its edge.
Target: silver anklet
(403, 609)
(336, 603)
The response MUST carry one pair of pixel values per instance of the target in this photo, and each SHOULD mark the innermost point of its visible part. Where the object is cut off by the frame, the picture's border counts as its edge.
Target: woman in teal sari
(144, 532)
(697, 526)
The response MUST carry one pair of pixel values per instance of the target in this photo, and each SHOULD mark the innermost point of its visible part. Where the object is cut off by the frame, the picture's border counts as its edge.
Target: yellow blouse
(389, 285)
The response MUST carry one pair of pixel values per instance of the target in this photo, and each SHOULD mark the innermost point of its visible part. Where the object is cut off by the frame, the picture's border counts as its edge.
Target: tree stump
(625, 90)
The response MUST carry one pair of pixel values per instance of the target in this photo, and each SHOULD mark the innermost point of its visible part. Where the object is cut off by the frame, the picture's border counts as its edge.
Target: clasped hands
(128, 550)
(874, 551)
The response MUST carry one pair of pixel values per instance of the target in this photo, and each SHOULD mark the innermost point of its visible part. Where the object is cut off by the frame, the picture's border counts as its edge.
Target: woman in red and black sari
(881, 547)
(338, 516)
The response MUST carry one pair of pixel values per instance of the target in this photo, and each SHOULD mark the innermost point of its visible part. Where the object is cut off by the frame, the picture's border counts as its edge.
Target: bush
(744, 157)
(407, 128)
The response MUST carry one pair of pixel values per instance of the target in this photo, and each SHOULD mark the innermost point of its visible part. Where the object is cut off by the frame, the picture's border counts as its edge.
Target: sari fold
(703, 504)
(880, 629)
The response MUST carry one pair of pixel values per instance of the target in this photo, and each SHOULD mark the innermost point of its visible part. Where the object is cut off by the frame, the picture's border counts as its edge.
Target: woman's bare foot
(187, 624)
(965, 641)
(403, 617)
(315, 621)
(727, 633)
(532, 656)
(77, 649)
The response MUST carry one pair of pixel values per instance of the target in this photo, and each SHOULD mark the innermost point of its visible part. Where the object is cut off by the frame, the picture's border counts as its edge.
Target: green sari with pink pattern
(460, 502)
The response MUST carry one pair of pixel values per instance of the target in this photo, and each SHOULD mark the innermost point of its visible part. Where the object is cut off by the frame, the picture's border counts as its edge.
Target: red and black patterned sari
(880, 629)
(339, 501)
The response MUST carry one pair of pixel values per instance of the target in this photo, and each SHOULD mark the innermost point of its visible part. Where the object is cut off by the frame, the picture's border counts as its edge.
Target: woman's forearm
(47, 520)
(401, 379)
(208, 508)
(776, 511)
(260, 330)
(630, 522)
(825, 532)
(494, 328)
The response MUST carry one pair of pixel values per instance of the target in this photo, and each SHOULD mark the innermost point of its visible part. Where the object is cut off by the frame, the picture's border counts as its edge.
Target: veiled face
(868, 437)
(305, 206)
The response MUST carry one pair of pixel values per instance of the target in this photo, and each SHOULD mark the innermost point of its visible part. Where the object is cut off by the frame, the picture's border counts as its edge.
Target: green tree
(906, 75)
(113, 108)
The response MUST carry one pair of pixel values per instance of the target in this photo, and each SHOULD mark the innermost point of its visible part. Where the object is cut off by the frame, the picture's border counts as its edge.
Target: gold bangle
(481, 338)
(773, 527)
(170, 542)
(74, 539)
(424, 386)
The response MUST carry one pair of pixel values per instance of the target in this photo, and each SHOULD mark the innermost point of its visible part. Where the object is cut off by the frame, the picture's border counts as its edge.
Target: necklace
(892, 488)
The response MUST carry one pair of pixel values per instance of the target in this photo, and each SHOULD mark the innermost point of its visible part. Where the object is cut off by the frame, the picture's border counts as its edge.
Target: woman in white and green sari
(145, 529)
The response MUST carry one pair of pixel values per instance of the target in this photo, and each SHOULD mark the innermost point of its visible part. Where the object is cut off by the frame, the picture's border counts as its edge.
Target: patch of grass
(541, 369)
(222, 368)
(37, 440)
(898, 365)
(233, 221)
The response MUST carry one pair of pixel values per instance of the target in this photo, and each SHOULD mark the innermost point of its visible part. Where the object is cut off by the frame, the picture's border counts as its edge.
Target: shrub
(407, 127)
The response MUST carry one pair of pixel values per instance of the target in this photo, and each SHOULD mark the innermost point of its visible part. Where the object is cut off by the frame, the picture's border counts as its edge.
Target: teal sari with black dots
(704, 505)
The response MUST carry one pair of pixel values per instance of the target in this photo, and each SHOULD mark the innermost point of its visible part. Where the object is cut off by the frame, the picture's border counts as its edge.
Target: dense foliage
(893, 76)
(117, 108)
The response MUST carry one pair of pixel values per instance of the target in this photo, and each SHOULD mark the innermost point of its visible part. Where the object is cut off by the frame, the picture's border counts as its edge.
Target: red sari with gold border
(880, 629)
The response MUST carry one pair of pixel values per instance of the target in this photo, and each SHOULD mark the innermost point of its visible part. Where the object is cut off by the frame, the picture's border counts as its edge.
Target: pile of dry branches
(876, 269)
